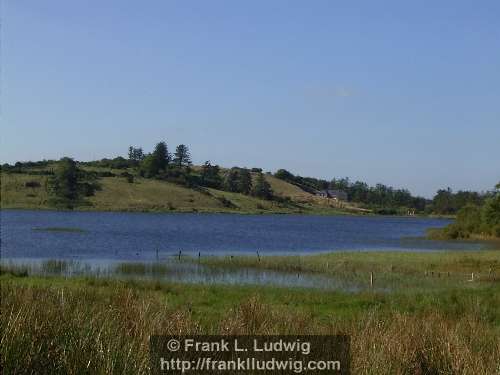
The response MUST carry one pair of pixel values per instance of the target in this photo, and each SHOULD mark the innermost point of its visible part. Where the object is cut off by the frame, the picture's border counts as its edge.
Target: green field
(429, 325)
(160, 196)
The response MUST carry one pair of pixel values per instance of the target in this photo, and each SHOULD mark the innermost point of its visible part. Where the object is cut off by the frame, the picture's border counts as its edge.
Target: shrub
(129, 177)
(105, 174)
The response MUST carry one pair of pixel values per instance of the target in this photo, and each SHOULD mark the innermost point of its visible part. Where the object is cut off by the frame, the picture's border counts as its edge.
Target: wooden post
(180, 252)
(371, 279)
(258, 255)
(199, 257)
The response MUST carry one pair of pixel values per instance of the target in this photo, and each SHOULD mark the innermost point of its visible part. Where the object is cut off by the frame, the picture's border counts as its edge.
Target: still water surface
(98, 243)
(138, 236)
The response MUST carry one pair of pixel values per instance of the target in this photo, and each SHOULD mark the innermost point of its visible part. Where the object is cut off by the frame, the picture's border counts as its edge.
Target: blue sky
(403, 93)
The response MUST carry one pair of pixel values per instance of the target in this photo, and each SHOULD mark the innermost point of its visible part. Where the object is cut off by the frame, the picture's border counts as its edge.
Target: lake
(120, 236)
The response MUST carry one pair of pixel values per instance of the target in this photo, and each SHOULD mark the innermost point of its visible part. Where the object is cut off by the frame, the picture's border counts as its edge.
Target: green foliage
(70, 185)
(161, 157)
(469, 218)
(474, 220)
(379, 197)
(148, 167)
(128, 176)
(135, 154)
(238, 180)
(244, 181)
(116, 163)
(445, 202)
(210, 176)
(182, 157)
(262, 188)
(231, 180)
(491, 211)
(157, 162)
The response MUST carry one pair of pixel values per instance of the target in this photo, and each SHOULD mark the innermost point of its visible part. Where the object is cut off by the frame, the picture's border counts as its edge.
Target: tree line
(380, 198)
(385, 199)
(477, 217)
(177, 167)
(69, 184)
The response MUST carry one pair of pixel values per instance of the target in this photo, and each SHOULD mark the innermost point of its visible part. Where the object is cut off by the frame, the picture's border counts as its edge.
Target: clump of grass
(137, 268)
(17, 271)
(393, 270)
(68, 327)
(54, 266)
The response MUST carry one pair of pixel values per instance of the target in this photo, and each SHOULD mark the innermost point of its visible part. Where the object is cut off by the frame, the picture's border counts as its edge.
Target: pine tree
(182, 156)
(161, 157)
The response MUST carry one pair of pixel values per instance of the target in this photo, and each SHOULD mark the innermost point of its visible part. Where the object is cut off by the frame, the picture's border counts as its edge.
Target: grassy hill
(155, 195)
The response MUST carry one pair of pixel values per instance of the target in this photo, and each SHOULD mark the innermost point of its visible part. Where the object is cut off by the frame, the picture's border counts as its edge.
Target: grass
(443, 325)
(393, 270)
(136, 268)
(86, 325)
(159, 196)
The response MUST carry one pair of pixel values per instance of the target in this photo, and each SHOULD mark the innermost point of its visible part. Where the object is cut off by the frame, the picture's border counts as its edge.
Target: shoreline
(232, 212)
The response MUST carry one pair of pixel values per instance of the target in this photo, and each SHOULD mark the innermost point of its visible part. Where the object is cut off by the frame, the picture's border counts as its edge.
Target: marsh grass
(99, 326)
(137, 268)
(392, 270)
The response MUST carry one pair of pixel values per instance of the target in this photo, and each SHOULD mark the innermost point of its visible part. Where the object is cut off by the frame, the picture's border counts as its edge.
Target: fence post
(371, 279)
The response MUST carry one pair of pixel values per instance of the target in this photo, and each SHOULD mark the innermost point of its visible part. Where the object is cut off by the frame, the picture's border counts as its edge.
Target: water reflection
(176, 271)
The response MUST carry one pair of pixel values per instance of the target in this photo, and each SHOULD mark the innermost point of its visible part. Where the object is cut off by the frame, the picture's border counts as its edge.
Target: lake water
(105, 244)
(141, 236)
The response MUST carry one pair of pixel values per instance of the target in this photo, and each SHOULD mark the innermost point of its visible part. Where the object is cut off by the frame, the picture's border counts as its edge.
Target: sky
(402, 93)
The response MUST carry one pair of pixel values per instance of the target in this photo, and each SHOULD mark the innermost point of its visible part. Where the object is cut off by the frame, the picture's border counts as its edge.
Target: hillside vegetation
(31, 191)
(474, 221)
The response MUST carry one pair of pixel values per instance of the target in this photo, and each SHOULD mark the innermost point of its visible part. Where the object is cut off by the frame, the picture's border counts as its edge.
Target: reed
(102, 326)
(137, 268)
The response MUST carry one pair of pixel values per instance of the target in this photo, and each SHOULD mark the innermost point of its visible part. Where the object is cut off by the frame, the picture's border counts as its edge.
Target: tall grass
(137, 268)
(103, 326)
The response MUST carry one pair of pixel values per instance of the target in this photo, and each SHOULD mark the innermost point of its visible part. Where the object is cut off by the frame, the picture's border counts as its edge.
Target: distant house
(338, 195)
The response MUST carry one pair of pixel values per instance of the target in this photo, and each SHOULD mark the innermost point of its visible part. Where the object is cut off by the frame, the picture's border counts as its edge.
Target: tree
(262, 188)
(244, 181)
(148, 167)
(491, 215)
(210, 176)
(283, 174)
(161, 156)
(182, 157)
(231, 180)
(69, 184)
(156, 162)
(443, 202)
(135, 154)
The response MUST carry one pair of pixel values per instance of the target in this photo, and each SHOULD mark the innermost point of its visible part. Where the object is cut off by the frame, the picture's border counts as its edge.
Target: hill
(29, 190)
